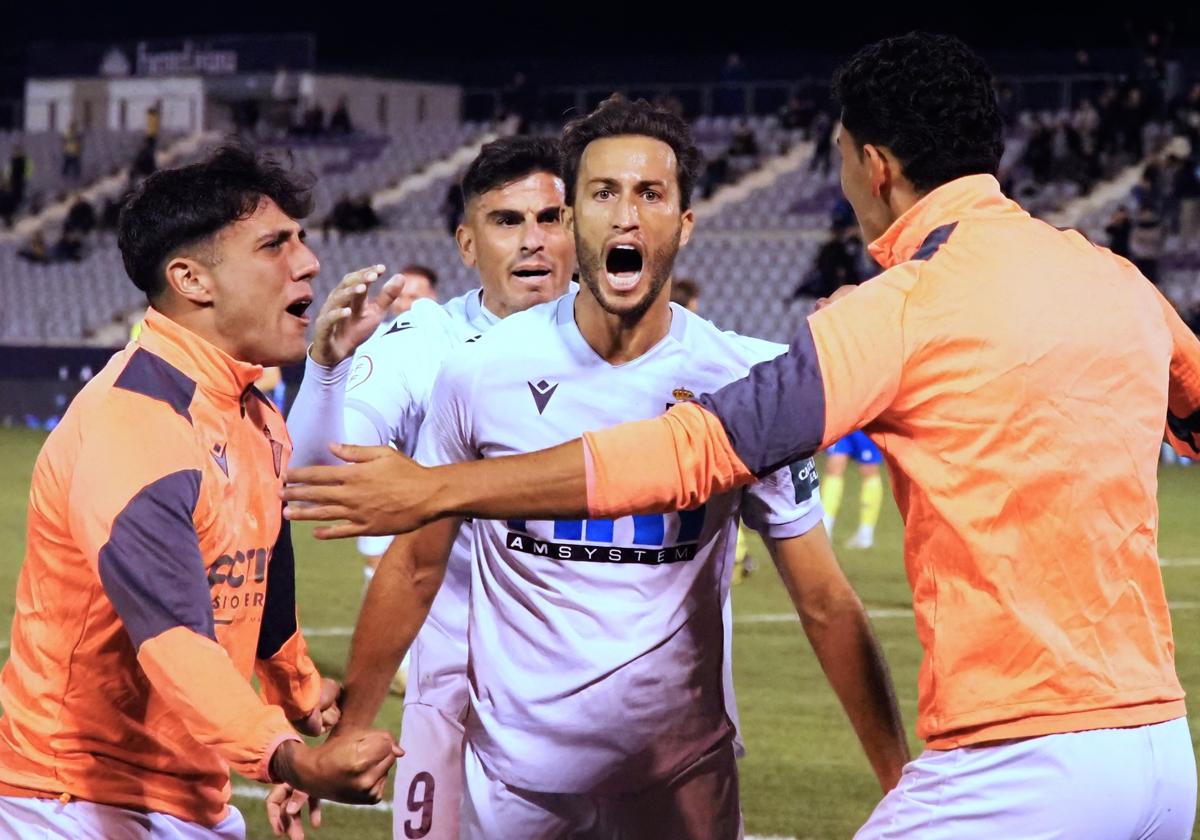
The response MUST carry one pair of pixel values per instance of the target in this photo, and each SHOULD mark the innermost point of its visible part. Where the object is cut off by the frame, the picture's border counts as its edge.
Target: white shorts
(429, 776)
(1104, 784)
(699, 803)
(50, 819)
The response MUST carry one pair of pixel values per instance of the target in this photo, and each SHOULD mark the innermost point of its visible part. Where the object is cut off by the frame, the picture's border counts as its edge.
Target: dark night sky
(476, 42)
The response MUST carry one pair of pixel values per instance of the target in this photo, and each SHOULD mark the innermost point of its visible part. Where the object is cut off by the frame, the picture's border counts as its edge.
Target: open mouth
(624, 266)
(299, 307)
(531, 272)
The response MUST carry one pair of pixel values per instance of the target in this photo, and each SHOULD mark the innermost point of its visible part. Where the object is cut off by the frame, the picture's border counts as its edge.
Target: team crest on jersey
(276, 450)
(542, 392)
(682, 395)
(361, 372)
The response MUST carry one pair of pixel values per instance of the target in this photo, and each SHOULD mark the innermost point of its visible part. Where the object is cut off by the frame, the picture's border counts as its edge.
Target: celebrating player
(992, 357)
(512, 234)
(157, 576)
(597, 647)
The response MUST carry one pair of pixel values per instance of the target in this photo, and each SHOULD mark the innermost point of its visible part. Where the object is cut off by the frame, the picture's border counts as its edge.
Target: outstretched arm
(841, 371)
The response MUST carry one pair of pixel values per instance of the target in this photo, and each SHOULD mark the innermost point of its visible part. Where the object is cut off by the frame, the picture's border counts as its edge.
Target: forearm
(549, 484)
(316, 418)
(853, 662)
(396, 605)
(199, 683)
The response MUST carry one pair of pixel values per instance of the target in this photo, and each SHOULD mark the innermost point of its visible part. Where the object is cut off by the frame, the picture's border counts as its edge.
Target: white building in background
(208, 83)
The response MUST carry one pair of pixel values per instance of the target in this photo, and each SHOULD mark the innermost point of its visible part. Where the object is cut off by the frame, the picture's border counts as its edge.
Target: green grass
(804, 775)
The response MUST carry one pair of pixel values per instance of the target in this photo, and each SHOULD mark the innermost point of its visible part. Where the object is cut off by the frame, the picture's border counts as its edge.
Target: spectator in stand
(81, 217)
(153, 124)
(1133, 118)
(72, 152)
(352, 215)
(836, 265)
(685, 293)
(69, 247)
(823, 137)
(420, 282)
(796, 114)
(453, 207)
(339, 120)
(1039, 150)
(1186, 189)
(1119, 229)
(744, 144)
(1147, 193)
(18, 176)
(111, 211)
(7, 205)
(145, 164)
(312, 122)
(716, 174)
(1146, 243)
(35, 250)
(519, 99)
(731, 98)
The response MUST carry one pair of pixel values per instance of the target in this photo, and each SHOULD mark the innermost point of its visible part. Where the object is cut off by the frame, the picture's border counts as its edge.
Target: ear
(190, 279)
(568, 221)
(880, 167)
(465, 237)
(686, 222)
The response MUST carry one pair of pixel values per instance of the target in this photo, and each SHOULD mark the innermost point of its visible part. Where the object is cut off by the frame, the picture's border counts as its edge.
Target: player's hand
(284, 804)
(379, 493)
(349, 315)
(350, 768)
(327, 713)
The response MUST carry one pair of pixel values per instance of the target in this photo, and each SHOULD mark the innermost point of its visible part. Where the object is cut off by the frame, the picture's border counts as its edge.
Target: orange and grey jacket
(157, 579)
(1018, 380)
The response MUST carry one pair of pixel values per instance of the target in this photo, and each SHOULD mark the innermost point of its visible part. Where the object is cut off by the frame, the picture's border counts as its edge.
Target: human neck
(199, 321)
(618, 339)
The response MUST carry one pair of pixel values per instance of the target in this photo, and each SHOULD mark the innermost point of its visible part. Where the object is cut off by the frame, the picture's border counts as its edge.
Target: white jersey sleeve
(445, 435)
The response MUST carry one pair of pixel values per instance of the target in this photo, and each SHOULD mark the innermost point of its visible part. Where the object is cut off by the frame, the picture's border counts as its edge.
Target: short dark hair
(424, 270)
(620, 117)
(185, 207)
(509, 159)
(930, 100)
(684, 291)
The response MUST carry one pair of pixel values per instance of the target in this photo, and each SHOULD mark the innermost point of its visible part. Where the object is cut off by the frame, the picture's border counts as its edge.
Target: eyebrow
(640, 185)
(504, 214)
(281, 235)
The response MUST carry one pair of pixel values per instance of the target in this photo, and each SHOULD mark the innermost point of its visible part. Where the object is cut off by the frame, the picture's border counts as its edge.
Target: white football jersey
(597, 647)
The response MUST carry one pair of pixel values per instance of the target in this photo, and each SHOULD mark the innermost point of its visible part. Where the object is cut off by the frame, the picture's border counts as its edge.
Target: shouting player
(157, 576)
(597, 653)
(992, 357)
(512, 234)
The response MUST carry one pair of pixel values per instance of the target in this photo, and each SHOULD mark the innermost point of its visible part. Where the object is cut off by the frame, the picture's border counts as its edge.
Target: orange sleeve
(290, 679)
(197, 678)
(1183, 389)
(672, 462)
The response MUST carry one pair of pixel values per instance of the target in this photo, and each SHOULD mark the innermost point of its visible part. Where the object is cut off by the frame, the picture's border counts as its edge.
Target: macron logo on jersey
(218, 454)
(542, 392)
(399, 326)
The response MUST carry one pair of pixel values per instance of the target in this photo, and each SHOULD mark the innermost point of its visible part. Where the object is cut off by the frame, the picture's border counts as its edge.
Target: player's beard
(657, 265)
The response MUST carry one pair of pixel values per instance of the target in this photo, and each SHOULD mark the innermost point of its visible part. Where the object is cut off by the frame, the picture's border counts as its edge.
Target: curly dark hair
(927, 98)
(509, 159)
(618, 116)
(184, 208)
